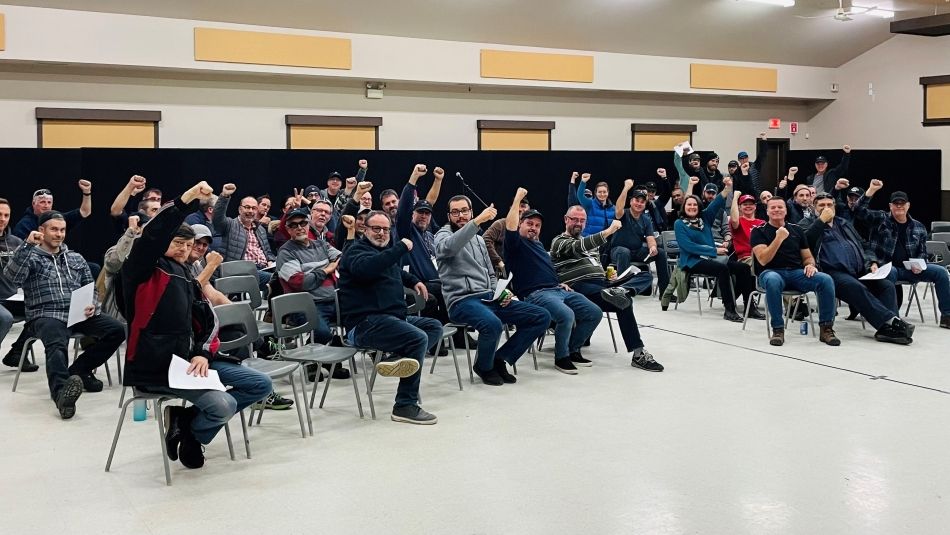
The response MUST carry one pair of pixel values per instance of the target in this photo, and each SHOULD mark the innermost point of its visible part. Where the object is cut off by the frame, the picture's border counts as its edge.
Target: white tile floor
(734, 437)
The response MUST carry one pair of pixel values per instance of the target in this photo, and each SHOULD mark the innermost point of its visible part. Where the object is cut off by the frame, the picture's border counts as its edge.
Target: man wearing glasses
(243, 237)
(468, 282)
(43, 202)
(373, 306)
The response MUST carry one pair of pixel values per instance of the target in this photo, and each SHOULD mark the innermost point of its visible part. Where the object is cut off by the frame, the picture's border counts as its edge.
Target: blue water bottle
(138, 410)
(804, 328)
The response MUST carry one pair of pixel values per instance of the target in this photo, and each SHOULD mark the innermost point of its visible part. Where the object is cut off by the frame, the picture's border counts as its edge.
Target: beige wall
(890, 119)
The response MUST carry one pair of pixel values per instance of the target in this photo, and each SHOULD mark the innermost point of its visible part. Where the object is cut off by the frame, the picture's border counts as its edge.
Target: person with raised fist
(468, 283)
(823, 178)
(243, 237)
(169, 316)
(635, 242)
(43, 202)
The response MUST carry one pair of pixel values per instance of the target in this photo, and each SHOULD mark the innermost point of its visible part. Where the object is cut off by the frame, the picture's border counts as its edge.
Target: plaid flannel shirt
(883, 238)
(48, 280)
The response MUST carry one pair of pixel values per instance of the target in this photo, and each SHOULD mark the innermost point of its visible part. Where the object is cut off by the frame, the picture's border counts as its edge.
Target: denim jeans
(629, 330)
(489, 319)
(775, 281)
(936, 274)
(411, 338)
(54, 334)
(875, 300)
(215, 408)
(6, 322)
(622, 257)
(574, 315)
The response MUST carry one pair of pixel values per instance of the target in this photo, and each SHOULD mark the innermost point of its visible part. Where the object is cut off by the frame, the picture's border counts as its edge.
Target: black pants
(54, 334)
(724, 272)
(629, 330)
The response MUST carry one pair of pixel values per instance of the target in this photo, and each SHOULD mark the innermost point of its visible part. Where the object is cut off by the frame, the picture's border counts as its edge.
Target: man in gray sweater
(468, 284)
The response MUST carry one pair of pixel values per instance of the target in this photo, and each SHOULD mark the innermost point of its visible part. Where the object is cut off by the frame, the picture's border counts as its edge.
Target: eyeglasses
(821, 196)
(577, 219)
(379, 230)
(41, 192)
(248, 207)
(297, 224)
(463, 211)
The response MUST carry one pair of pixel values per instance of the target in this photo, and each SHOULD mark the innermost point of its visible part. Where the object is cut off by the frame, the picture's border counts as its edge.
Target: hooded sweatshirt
(464, 266)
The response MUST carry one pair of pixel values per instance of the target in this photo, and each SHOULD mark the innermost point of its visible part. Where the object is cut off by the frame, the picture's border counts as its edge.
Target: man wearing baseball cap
(745, 176)
(896, 237)
(823, 178)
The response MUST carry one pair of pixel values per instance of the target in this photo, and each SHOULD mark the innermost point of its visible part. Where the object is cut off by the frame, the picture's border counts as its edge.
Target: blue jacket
(599, 216)
(694, 243)
(30, 222)
(420, 260)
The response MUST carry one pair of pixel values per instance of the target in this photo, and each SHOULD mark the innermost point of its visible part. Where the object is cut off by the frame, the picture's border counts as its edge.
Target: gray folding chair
(28, 350)
(793, 299)
(245, 286)
(939, 226)
(237, 268)
(312, 353)
(941, 237)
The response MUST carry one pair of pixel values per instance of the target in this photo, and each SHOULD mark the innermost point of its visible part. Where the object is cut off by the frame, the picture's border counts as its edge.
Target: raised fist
(585, 177)
(781, 233)
(363, 164)
(351, 182)
(407, 242)
(661, 172)
(85, 186)
(228, 190)
(438, 173)
(744, 167)
(574, 176)
(348, 221)
(627, 184)
(136, 184)
(35, 237)
(875, 185)
(726, 182)
(842, 183)
(520, 194)
(362, 188)
(201, 191)
(419, 170)
(783, 183)
(487, 214)
(134, 223)
(791, 172)
(693, 180)
(847, 149)
(213, 258)
(614, 226)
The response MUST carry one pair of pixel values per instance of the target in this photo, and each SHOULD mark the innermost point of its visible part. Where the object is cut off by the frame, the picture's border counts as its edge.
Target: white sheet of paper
(683, 148)
(16, 297)
(632, 270)
(881, 273)
(178, 377)
(78, 302)
(919, 262)
(499, 287)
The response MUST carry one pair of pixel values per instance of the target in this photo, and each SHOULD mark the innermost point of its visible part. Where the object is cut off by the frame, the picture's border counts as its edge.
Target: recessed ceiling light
(783, 3)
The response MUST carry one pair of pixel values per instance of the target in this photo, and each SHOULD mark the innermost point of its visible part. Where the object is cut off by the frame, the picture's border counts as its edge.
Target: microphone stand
(470, 190)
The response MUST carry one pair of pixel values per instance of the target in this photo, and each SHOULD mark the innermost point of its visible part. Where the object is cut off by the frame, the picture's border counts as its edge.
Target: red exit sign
(775, 124)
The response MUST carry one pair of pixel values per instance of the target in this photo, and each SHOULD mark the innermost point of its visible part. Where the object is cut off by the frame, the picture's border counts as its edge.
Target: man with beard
(373, 305)
(389, 200)
(577, 262)
(635, 242)
(536, 281)
(495, 240)
(468, 283)
(710, 173)
(800, 207)
(676, 200)
(692, 170)
(243, 237)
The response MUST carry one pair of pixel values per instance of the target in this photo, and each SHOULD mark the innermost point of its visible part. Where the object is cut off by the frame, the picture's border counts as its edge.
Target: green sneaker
(274, 402)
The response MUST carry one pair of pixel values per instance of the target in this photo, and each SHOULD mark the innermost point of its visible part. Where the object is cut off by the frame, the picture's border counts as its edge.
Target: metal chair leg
(247, 439)
(227, 434)
(356, 389)
(455, 359)
(610, 325)
(435, 356)
(27, 348)
(118, 430)
(326, 387)
(161, 438)
(303, 390)
(293, 386)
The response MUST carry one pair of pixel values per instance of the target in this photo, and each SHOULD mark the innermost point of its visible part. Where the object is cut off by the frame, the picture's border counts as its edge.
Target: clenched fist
(407, 242)
(136, 184)
(350, 182)
(842, 183)
(875, 186)
(614, 226)
(574, 176)
(85, 186)
(35, 237)
(745, 168)
(487, 214)
(585, 177)
(201, 191)
(419, 170)
(726, 183)
(693, 180)
(438, 173)
(228, 190)
(791, 172)
(214, 259)
(627, 184)
(134, 223)
(348, 221)
(781, 234)
(362, 188)
(363, 164)
(520, 194)
(661, 172)
(847, 149)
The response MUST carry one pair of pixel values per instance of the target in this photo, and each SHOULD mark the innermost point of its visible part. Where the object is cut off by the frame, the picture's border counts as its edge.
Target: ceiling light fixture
(782, 3)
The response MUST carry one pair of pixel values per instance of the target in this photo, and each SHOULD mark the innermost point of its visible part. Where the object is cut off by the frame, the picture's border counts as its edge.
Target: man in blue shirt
(635, 241)
(535, 280)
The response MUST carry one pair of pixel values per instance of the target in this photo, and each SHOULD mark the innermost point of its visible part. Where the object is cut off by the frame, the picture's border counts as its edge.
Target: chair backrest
(670, 245)
(240, 315)
(417, 304)
(942, 250)
(939, 226)
(238, 267)
(941, 236)
(293, 303)
(243, 285)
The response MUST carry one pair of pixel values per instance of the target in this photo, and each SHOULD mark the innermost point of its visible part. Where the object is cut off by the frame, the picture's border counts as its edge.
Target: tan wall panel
(3, 32)
(259, 48)
(704, 76)
(536, 66)
(658, 140)
(333, 137)
(492, 139)
(114, 134)
(938, 101)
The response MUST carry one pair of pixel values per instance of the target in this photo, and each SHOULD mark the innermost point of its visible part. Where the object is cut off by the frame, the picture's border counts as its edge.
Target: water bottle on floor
(804, 328)
(138, 410)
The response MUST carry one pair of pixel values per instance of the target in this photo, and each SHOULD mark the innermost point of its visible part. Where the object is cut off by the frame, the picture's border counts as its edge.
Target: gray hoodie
(464, 266)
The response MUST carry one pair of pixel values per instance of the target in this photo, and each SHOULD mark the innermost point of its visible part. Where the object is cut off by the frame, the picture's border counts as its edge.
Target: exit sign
(775, 124)
(792, 128)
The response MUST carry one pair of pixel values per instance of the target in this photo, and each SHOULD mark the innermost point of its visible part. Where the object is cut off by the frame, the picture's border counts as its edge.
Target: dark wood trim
(39, 134)
(377, 138)
(332, 120)
(515, 125)
(935, 122)
(648, 127)
(81, 114)
(930, 26)
(287, 128)
(934, 80)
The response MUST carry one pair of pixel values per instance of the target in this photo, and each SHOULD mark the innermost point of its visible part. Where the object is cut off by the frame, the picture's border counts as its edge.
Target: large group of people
(357, 257)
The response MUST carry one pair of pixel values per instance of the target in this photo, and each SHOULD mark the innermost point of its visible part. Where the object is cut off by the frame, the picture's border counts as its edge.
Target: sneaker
(90, 383)
(732, 316)
(12, 359)
(778, 337)
(67, 396)
(501, 368)
(890, 333)
(274, 402)
(397, 367)
(945, 322)
(903, 326)
(565, 365)
(617, 297)
(489, 377)
(578, 360)
(413, 414)
(755, 314)
(644, 360)
(173, 416)
(826, 334)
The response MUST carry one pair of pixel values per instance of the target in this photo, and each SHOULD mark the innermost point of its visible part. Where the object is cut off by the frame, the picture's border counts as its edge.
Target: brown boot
(778, 337)
(826, 334)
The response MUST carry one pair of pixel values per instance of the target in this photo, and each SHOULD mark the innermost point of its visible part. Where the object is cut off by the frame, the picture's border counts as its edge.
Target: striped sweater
(578, 258)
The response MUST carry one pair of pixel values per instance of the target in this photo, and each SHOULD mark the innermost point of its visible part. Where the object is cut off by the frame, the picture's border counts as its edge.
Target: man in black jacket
(823, 178)
(373, 306)
(839, 252)
(168, 317)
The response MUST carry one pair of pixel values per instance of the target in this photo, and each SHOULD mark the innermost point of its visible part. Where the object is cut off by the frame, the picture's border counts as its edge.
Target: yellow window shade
(658, 140)
(938, 101)
(332, 137)
(704, 76)
(115, 134)
(493, 139)
(260, 48)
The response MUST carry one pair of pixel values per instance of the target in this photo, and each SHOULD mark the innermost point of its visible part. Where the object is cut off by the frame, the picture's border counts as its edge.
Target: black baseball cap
(46, 216)
(531, 213)
(821, 159)
(855, 191)
(693, 156)
(639, 193)
(650, 186)
(734, 163)
(310, 190)
(336, 175)
(899, 196)
(711, 187)
(298, 212)
(423, 205)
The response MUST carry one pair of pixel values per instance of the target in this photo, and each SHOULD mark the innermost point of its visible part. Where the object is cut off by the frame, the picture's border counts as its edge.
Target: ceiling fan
(844, 14)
